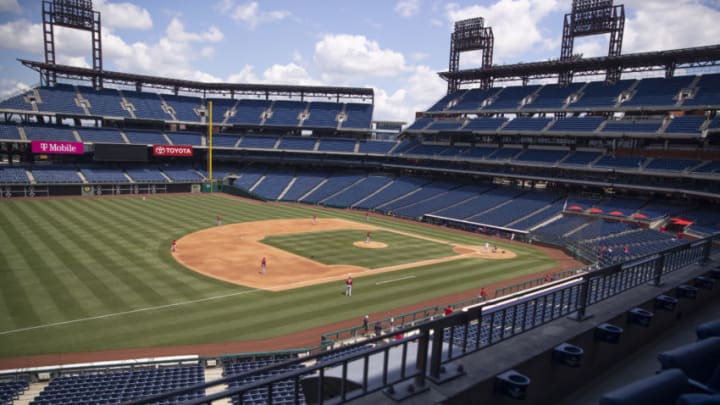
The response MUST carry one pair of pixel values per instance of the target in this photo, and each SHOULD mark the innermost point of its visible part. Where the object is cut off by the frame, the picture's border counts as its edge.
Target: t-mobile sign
(54, 147)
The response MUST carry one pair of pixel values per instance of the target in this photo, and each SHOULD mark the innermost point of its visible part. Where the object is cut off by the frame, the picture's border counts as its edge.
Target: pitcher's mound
(369, 245)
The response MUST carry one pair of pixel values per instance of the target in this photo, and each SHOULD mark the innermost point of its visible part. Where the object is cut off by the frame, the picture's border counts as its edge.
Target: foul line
(394, 280)
(134, 311)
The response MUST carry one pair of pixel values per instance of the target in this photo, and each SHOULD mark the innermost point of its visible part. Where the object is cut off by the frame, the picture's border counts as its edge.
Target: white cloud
(339, 56)
(123, 15)
(176, 31)
(245, 75)
(11, 87)
(515, 24)
(425, 87)
(9, 6)
(251, 15)
(391, 106)
(289, 74)
(407, 8)
(21, 35)
(665, 24)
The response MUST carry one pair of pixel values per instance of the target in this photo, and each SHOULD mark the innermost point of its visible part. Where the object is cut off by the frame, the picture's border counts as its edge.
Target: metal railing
(423, 351)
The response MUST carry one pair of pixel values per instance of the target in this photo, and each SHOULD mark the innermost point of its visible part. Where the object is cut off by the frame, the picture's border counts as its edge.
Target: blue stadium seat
(375, 147)
(285, 113)
(304, 182)
(13, 175)
(147, 105)
(259, 142)
(553, 96)
(600, 94)
(358, 191)
(322, 115)
(59, 99)
(104, 102)
(9, 132)
(49, 133)
(146, 137)
(358, 116)
(100, 135)
(337, 145)
(273, 184)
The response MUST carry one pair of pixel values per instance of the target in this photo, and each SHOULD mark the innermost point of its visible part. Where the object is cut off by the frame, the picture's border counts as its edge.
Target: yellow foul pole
(210, 134)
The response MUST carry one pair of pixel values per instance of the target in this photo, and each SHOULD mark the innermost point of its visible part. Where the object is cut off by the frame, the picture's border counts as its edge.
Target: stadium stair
(83, 103)
(312, 190)
(257, 183)
(212, 374)
(127, 176)
(360, 180)
(76, 135)
(537, 211)
(380, 207)
(169, 180)
(33, 391)
(372, 194)
(124, 137)
(288, 187)
(167, 139)
(30, 176)
(21, 131)
(82, 177)
(126, 105)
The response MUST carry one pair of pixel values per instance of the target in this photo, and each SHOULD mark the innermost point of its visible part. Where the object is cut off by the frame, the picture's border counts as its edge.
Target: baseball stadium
(169, 241)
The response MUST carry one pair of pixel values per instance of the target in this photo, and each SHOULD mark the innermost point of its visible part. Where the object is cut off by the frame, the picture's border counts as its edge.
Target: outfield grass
(337, 248)
(95, 274)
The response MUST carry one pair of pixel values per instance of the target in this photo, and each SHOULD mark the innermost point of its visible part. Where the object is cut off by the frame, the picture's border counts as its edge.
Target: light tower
(75, 14)
(593, 17)
(470, 35)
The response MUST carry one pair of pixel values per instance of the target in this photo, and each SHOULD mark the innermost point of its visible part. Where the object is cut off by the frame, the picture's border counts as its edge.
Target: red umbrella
(595, 210)
(616, 213)
(681, 221)
(640, 216)
(575, 208)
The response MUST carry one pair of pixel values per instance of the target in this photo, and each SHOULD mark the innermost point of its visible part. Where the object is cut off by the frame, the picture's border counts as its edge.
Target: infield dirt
(233, 253)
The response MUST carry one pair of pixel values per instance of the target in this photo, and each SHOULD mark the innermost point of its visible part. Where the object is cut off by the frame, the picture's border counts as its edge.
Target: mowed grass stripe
(172, 278)
(13, 292)
(336, 247)
(97, 247)
(41, 248)
(102, 284)
(139, 272)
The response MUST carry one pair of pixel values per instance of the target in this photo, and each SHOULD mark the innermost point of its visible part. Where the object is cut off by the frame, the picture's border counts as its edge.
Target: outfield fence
(402, 363)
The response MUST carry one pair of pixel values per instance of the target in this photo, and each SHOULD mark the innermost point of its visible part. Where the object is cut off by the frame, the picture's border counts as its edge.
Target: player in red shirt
(483, 294)
(173, 246)
(218, 222)
(348, 286)
(367, 237)
(448, 310)
(263, 265)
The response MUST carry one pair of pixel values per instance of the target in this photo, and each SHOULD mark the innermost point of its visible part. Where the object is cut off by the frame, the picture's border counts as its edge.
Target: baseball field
(81, 275)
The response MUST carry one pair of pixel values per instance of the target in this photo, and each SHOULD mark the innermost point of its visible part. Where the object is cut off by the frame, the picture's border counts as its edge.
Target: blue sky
(395, 47)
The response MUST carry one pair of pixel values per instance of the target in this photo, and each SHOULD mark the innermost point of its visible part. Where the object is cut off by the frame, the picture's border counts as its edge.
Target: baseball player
(173, 246)
(367, 237)
(263, 265)
(314, 219)
(348, 286)
(218, 221)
